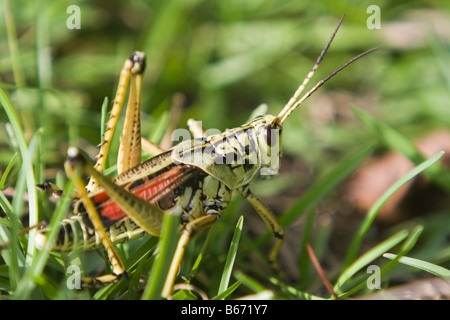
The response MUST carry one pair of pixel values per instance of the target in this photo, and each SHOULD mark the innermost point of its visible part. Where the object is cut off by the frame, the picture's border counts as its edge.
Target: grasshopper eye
(270, 136)
(272, 131)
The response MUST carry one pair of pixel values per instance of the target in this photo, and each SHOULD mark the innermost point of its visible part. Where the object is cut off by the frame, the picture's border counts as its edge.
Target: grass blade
(368, 257)
(28, 282)
(7, 170)
(165, 251)
(27, 164)
(370, 217)
(422, 265)
(202, 251)
(225, 293)
(361, 281)
(293, 291)
(249, 282)
(231, 257)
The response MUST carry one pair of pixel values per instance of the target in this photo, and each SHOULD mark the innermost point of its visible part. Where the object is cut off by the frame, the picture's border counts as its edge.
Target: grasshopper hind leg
(130, 145)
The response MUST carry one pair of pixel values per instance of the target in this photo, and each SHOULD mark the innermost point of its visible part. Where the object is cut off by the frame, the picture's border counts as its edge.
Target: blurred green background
(226, 57)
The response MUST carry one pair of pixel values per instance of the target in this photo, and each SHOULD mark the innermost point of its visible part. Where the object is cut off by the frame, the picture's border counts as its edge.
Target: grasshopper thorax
(237, 155)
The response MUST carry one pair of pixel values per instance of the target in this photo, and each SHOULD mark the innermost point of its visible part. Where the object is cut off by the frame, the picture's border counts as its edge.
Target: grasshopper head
(268, 132)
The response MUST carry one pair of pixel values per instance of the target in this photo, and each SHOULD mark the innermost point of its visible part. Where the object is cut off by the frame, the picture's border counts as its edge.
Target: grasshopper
(194, 179)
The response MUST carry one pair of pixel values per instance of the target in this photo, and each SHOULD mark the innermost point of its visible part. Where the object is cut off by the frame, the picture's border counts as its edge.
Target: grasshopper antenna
(294, 102)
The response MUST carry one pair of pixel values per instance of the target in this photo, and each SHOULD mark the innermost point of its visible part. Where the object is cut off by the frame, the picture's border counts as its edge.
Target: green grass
(227, 58)
(422, 265)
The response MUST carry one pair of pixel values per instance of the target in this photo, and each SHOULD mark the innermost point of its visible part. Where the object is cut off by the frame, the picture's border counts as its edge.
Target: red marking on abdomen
(151, 191)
